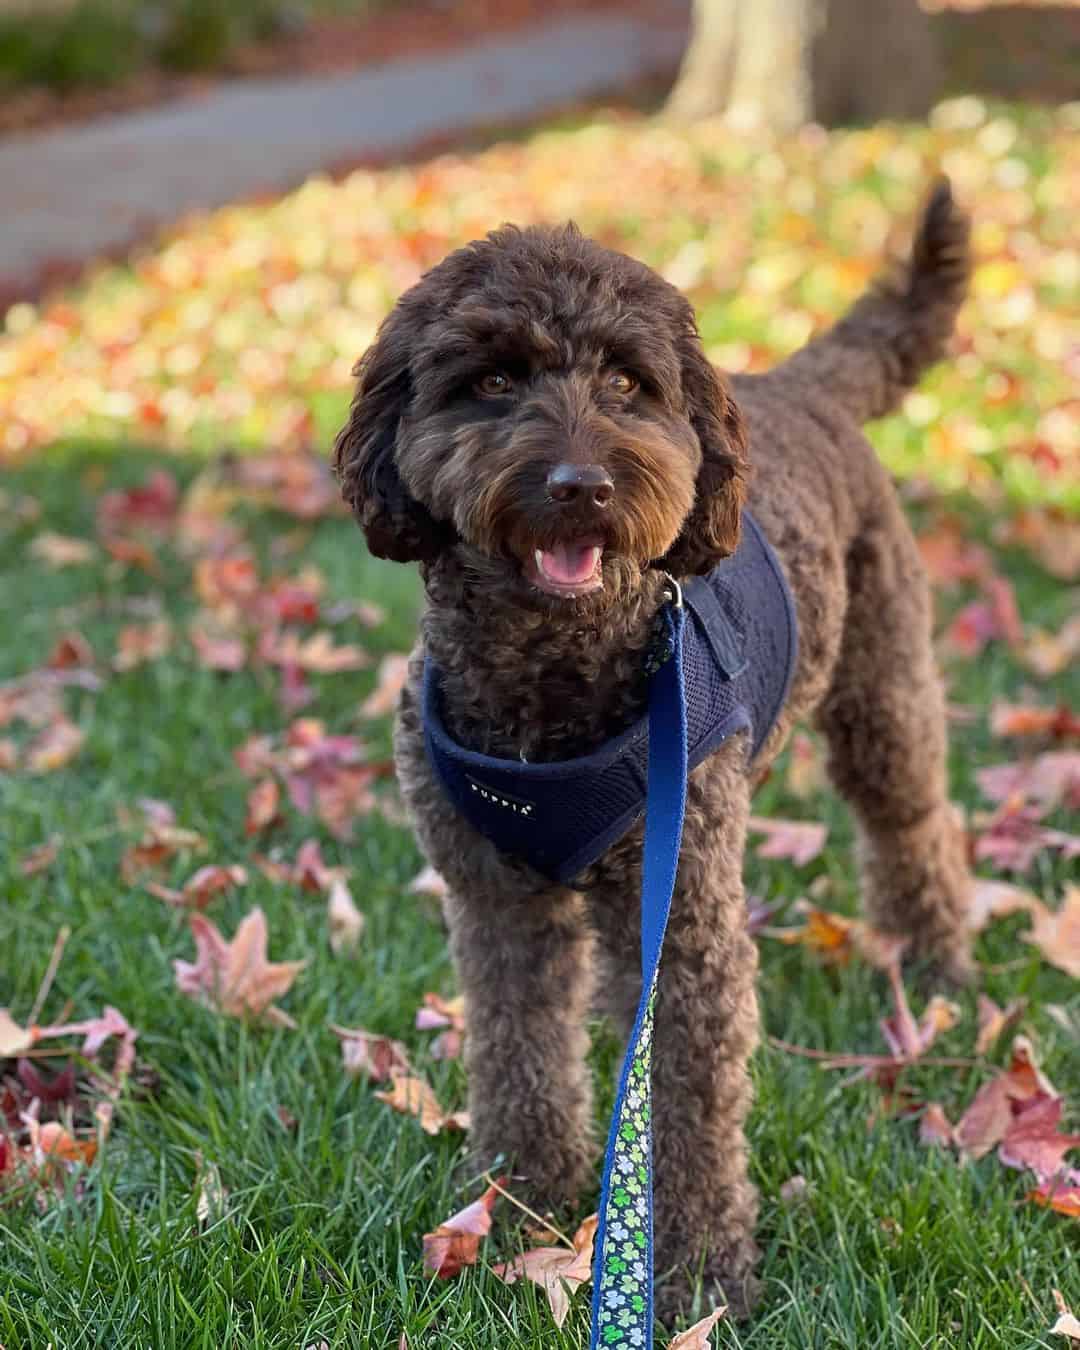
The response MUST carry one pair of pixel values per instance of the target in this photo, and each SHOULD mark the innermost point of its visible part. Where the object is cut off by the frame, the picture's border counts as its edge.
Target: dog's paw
(727, 1279)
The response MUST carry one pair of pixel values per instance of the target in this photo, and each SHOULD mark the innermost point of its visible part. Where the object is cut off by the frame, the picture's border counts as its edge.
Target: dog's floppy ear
(395, 524)
(711, 530)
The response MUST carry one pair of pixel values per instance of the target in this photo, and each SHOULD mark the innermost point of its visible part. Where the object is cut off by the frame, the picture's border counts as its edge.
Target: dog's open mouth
(569, 568)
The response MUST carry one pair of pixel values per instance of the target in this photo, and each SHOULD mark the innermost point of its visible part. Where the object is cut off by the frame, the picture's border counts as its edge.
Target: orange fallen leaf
(345, 921)
(994, 1020)
(235, 977)
(1011, 719)
(1048, 654)
(1056, 933)
(136, 644)
(411, 1096)
(1062, 1196)
(262, 806)
(54, 747)
(53, 1141)
(455, 1244)
(559, 1271)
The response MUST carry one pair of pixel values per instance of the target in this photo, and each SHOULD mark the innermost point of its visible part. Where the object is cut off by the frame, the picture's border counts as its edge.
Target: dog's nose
(577, 482)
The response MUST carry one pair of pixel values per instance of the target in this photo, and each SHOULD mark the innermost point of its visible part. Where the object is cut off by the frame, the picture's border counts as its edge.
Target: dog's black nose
(576, 482)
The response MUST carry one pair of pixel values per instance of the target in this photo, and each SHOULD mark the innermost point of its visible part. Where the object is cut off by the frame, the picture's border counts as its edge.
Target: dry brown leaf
(410, 1095)
(137, 644)
(201, 888)
(697, 1336)
(210, 1194)
(994, 1020)
(799, 840)
(389, 682)
(54, 747)
(14, 1039)
(1048, 654)
(345, 920)
(71, 651)
(61, 550)
(235, 977)
(935, 1127)
(1067, 1324)
(373, 1056)
(262, 806)
(1056, 933)
(559, 1271)
(456, 1243)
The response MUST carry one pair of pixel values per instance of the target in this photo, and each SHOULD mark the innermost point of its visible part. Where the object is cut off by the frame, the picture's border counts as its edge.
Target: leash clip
(673, 591)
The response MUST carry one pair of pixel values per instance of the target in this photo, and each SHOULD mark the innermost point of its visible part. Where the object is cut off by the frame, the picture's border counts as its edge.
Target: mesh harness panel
(739, 657)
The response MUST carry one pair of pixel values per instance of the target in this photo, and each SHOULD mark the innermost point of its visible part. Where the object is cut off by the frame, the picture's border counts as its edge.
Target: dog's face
(546, 402)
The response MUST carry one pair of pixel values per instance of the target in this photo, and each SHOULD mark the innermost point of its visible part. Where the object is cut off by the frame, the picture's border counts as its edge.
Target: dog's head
(547, 402)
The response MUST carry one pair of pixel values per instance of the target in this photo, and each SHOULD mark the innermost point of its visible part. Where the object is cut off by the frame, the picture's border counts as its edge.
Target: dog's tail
(900, 326)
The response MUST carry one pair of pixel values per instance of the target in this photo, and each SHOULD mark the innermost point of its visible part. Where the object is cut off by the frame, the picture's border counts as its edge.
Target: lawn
(237, 332)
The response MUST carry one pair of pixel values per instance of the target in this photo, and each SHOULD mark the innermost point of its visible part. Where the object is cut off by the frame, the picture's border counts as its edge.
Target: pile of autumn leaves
(51, 1127)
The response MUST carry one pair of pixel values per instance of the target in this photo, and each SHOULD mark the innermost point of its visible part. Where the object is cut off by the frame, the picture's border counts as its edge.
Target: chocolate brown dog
(537, 424)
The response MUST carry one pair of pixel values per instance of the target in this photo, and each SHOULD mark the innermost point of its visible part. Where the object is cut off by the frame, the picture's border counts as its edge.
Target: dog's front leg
(525, 970)
(706, 1028)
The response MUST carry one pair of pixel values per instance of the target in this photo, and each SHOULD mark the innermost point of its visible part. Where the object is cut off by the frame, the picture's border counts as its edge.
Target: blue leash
(622, 1307)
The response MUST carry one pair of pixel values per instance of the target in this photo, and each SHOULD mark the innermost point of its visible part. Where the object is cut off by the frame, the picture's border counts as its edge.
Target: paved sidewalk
(69, 194)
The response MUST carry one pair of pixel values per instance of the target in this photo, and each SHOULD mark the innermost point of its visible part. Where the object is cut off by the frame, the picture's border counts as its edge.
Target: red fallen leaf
(559, 1271)
(217, 652)
(1060, 1194)
(1047, 779)
(234, 976)
(455, 1244)
(1014, 837)
(201, 888)
(697, 1336)
(799, 840)
(160, 843)
(935, 1127)
(994, 618)
(1057, 724)
(151, 506)
(54, 747)
(410, 1095)
(137, 644)
(60, 550)
(994, 1020)
(365, 1053)
(38, 859)
(389, 682)
(71, 651)
(986, 1121)
(262, 807)
(292, 601)
(343, 796)
(1032, 1140)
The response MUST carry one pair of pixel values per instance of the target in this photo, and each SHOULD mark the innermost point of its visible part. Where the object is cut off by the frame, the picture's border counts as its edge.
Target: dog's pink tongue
(570, 564)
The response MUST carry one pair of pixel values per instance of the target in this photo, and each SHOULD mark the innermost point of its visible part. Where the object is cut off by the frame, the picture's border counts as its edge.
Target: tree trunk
(781, 63)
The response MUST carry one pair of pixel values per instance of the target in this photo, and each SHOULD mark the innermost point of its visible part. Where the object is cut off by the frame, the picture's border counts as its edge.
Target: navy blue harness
(739, 651)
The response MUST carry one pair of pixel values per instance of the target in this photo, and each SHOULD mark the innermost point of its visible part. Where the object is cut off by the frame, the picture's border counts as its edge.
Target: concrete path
(72, 193)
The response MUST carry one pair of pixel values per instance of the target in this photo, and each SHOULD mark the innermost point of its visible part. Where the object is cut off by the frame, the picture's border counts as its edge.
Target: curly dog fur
(537, 350)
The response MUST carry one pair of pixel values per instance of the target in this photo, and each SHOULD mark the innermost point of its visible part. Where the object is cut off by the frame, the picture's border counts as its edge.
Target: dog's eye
(622, 382)
(494, 384)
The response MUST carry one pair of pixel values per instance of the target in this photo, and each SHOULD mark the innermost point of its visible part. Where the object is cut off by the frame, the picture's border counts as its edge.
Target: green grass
(894, 1246)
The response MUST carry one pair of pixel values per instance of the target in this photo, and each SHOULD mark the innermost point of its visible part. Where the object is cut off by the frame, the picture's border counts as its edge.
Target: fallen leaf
(994, 1020)
(161, 842)
(40, 858)
(986, 1121)
(1056, 933)
(1048, 654)
(1061, 1195)
(835, 937)
(801, 841)
(373, 1056)
(151, 506)
(71, 651)
(429, 882)
(455, 1244)
(794, 1189)
(201, 888)
(235, 977)
(1047, 779)
(997, 900)
(14, 1039)
(308, 871)
(559, 1271)
(935, 1127)
(994, 618)
(61, 550)
(345, 920)
(217, 651)
(389, 681)
(210, 1194)
(1032, 1140)
(411, 1096)
(1052, 537)
(262, 806)
(697, 1336)
(1014, 836)
(54, 747)
(1025, 719)
(1067, 1324)
(806, 771)
(136, 644)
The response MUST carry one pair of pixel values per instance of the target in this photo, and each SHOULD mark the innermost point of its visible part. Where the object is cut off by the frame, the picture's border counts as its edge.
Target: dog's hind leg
(884, 718)
(524, 966)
